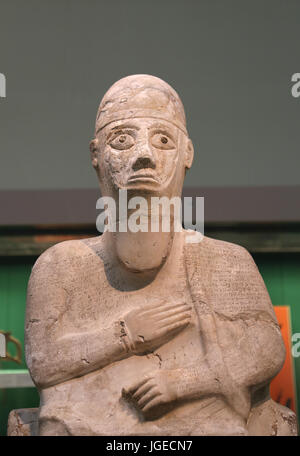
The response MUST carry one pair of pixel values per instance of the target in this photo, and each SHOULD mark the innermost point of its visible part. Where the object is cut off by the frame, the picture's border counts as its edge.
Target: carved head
(141, 143)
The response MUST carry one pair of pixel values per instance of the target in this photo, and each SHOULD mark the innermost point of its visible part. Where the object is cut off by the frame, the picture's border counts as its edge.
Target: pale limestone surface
(143, 333)
(23, 422)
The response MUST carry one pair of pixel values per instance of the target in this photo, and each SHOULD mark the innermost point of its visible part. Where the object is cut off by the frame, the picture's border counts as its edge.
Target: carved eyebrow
(121, 128)
(163, 130)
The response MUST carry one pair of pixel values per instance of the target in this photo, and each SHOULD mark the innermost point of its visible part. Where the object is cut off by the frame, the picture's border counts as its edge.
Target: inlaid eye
(161, 141)
(122, 141)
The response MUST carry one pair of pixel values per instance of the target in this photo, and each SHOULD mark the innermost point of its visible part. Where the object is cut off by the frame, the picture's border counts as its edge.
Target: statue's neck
(143, 251)
(128, 258)
(136, 244)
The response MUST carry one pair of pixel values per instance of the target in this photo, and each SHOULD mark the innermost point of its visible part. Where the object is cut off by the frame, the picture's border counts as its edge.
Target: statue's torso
(93, 403)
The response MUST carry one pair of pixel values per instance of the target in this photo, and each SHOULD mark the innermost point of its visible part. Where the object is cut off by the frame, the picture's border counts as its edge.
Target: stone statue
(143, 333)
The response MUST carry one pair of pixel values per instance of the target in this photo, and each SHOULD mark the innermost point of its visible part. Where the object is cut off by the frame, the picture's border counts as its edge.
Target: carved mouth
(142, 178)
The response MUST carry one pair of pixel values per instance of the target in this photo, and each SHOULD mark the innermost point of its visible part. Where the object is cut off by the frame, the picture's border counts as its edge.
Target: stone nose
(144, 160)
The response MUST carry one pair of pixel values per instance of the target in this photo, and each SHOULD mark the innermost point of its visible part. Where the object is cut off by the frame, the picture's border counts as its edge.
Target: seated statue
(139, 332)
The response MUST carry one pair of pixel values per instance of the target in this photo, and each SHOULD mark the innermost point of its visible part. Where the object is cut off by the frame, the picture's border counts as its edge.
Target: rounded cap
(141, 95)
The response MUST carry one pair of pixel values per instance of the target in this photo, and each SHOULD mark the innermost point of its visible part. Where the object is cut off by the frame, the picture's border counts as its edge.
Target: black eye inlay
(125, 139)
(121, 140)
(161, 141)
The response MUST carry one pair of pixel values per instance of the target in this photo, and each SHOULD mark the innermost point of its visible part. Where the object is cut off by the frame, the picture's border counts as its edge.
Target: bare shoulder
(60, 270)
(67, 252)
(62, 261)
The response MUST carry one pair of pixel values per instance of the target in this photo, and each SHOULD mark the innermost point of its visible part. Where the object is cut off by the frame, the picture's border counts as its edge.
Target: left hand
(153, 392)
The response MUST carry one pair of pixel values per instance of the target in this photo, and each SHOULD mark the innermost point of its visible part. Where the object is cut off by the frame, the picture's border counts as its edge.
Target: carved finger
(177, 318)
(143, 389)
(148, 397)
(137, 385)
(153, 403)
(170, 313)
(171, 306)
(161, 308)
(151, 307)
(175, 326)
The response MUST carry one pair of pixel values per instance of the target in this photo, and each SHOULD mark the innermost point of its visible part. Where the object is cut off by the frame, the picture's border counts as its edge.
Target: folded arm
(56, 351)
(243, 352)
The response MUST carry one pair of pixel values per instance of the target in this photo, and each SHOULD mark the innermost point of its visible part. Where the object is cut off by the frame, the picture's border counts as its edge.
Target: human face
(139, 154)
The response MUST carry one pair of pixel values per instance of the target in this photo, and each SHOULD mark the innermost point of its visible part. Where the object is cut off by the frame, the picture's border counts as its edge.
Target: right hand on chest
(148, 328)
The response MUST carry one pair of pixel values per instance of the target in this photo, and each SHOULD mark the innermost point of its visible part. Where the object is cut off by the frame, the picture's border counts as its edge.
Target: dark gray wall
(231, 62)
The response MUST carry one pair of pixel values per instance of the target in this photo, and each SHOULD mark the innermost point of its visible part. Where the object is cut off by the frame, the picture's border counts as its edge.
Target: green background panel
(14, 275)
(281, 273)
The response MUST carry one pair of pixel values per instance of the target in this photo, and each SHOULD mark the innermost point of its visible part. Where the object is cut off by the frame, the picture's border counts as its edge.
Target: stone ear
(94, 151)
(189, 154)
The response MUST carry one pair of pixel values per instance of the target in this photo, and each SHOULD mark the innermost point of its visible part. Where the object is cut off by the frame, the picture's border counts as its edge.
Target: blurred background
(231, 61)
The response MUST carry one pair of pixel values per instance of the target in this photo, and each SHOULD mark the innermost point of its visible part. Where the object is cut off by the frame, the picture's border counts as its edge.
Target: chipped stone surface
(142, 333)
(23, 422)
(272, 419)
